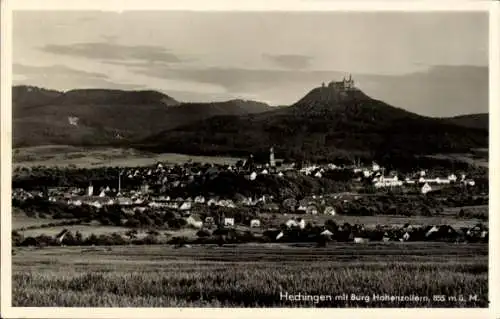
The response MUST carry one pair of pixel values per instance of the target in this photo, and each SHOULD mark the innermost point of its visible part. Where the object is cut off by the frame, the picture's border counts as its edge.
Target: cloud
(53, 71)
(289, 61)
(116, 52)
(236, 79)
(438, 91)
(61, 77)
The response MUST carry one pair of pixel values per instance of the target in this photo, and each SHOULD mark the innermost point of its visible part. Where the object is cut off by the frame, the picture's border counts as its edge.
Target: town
(257, 199)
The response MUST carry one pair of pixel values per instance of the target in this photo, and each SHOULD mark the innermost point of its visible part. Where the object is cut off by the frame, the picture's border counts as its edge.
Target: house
(226, 203)
(406, 236)
(194, 221)
(360, 240)
(255, 223)
(228, 221)
(61, 235)
(442, 180)
(329, 210)
(96, 204)
(332, 166)
(199, 199)
(312, 209)
(75, 202)
(326, 232)
(302, 223)
(291, 223)
(433, 229)
(211, 202)
(426, 188)
(90, 190)
(124, 201)
(185, 206)
(271, 207)
(281, 234)
(252, 176)
(173, 205)
(302, 208)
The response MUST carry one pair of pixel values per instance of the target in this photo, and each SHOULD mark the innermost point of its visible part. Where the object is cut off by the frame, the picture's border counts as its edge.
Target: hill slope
(480, 120)
(327, 122)
(106, 117)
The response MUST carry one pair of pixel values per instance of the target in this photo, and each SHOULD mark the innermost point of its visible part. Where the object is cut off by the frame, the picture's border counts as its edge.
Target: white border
(254, 5)
(230, 5)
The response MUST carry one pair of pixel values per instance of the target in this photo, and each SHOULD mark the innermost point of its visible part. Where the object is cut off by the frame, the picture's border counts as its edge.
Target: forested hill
(328, 122)
(106, 117)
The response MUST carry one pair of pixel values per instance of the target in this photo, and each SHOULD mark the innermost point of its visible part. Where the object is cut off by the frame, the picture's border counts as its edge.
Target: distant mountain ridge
(480, 120)
(106, 117)
(329, 120)
(332, 119)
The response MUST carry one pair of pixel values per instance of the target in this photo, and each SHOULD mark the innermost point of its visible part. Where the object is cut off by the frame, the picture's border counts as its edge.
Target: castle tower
(350, 82)
(272, 162)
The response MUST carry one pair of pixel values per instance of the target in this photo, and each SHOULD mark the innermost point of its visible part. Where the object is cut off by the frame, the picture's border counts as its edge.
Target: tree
(132, 234)
(78, 237)
(203, 233)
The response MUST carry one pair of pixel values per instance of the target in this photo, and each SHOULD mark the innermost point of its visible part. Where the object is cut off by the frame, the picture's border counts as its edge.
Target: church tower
(272, 161)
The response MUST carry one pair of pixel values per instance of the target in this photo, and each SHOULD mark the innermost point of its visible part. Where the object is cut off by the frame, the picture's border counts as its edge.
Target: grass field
(97, 157)
(23, 221)
(251, 275)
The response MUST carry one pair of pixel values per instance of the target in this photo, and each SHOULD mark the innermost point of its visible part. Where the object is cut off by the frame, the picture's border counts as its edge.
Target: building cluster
(166, 177)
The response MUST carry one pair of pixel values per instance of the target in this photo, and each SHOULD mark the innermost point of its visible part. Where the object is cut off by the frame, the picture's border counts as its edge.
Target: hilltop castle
(344, 85)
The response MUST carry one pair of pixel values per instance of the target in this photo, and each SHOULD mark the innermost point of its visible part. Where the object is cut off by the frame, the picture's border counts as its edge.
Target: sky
(431, 63)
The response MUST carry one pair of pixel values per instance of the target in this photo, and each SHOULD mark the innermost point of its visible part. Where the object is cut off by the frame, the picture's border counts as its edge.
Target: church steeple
(272, 161)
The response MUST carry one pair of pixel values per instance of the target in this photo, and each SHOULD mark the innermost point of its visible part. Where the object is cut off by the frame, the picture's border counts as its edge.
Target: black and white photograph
(249, 159)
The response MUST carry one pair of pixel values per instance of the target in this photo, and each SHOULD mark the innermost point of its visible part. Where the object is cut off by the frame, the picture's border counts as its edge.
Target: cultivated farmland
(251, 275)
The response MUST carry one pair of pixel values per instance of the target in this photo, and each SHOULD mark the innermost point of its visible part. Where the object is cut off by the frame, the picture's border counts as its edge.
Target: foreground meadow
(252, 275)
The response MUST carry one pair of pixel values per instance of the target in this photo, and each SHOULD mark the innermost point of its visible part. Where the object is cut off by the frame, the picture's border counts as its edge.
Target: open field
(87, 230)
(22, 221)
(97, 157)
(251, 275)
